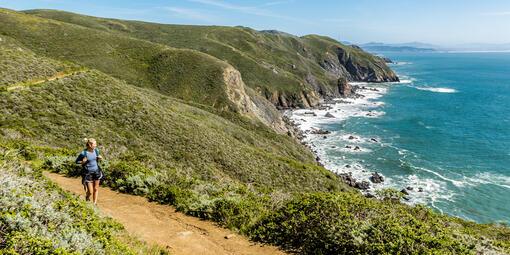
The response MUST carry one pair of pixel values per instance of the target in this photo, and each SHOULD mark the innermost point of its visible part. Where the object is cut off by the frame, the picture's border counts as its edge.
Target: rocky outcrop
(363, 185)
(387, 60)
(251, 104)
(348, 179)
(321, 132)
(302, 99)
(377, 178)
(356, 65)
(344, 88)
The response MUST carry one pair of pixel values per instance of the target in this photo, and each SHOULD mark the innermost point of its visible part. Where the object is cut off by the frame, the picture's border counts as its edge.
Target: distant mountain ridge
(426, 47)
(399, 47)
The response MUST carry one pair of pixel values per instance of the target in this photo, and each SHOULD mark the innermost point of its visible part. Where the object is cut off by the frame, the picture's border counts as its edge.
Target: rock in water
(409, 188)
(321, 132)
(348, 179)
(404, 191)
(329, 115)
(344, 88)
(364, 185)
(387, 60)
(377, 178)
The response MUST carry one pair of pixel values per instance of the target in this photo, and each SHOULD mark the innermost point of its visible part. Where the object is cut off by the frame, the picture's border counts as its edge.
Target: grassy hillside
(288, 70)
(185, 74)
(20, 65)
(207, 162)
(131, 120)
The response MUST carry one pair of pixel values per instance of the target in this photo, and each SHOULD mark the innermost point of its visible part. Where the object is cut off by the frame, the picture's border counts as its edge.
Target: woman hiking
(91, 173)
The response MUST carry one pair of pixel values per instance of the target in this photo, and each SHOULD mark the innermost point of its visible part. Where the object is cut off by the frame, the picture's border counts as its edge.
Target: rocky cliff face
(301, 99)
(342, 63)
(249, 103)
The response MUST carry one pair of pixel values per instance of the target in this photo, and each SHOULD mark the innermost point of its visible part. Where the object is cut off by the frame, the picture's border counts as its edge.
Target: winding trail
(54, 77)
(161, 224)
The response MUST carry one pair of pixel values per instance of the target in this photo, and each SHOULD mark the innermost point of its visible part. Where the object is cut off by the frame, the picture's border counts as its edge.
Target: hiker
(91, 173)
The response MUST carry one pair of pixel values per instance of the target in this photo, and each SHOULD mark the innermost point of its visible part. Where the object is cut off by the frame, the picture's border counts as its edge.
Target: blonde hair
(89, 142)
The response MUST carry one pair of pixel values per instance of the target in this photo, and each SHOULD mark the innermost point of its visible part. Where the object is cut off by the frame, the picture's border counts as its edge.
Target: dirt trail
(54, 77)
(161, 224)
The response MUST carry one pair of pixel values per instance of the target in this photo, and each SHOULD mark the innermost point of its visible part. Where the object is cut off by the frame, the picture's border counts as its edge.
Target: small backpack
(95, 150)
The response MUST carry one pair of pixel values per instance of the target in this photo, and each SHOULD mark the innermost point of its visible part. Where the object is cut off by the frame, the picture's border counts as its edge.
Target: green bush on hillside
(348, 223)
(168, 194)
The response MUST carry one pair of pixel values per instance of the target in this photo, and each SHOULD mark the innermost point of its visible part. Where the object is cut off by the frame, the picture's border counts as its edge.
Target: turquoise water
(445, 129)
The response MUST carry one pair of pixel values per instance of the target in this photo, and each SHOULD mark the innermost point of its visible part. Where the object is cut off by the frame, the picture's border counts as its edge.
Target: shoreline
(326, 109)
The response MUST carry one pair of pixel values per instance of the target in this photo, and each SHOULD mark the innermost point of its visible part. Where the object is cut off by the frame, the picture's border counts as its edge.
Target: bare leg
(88, 192)
(96, 190)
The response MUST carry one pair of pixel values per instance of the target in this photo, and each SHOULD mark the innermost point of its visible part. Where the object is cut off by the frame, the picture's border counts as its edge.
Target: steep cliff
(345, 63)
(251, 104)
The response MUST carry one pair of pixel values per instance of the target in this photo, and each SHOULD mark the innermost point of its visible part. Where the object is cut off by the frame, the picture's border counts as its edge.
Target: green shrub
(23, 242)
(233, 213)
(129, 177)
(168, 194)
(22, 147)
(348, 223)
(63, 165)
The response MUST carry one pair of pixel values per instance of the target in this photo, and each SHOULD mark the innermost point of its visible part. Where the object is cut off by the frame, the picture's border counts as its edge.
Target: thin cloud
(496, 14)
(277, 3)
(191, 14)
(249, 10)
(333, 20)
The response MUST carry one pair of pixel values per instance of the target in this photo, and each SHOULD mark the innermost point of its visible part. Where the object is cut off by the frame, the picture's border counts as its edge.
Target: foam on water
(311, 119)
(399, 63)
(433, 189)
(406, 81)
(454, 182)
(439, 90)
(490, 178)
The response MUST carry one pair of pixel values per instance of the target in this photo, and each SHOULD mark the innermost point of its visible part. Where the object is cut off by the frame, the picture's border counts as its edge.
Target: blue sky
(390, 21)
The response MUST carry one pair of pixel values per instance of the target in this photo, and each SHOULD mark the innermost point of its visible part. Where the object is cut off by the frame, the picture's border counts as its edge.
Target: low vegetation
(37, 217)
(19, 66)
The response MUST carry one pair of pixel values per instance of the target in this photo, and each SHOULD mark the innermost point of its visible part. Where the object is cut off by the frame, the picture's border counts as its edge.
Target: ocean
(443, 131)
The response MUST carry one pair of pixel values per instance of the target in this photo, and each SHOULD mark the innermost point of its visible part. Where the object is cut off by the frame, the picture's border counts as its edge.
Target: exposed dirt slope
(161, 224)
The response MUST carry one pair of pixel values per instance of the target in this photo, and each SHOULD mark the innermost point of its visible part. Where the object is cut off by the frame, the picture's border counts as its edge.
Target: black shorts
(90, 176)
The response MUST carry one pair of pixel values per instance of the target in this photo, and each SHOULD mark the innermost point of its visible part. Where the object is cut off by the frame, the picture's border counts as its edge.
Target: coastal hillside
(182, 73)
(288, 70)
(61, 82)
(132, 120)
